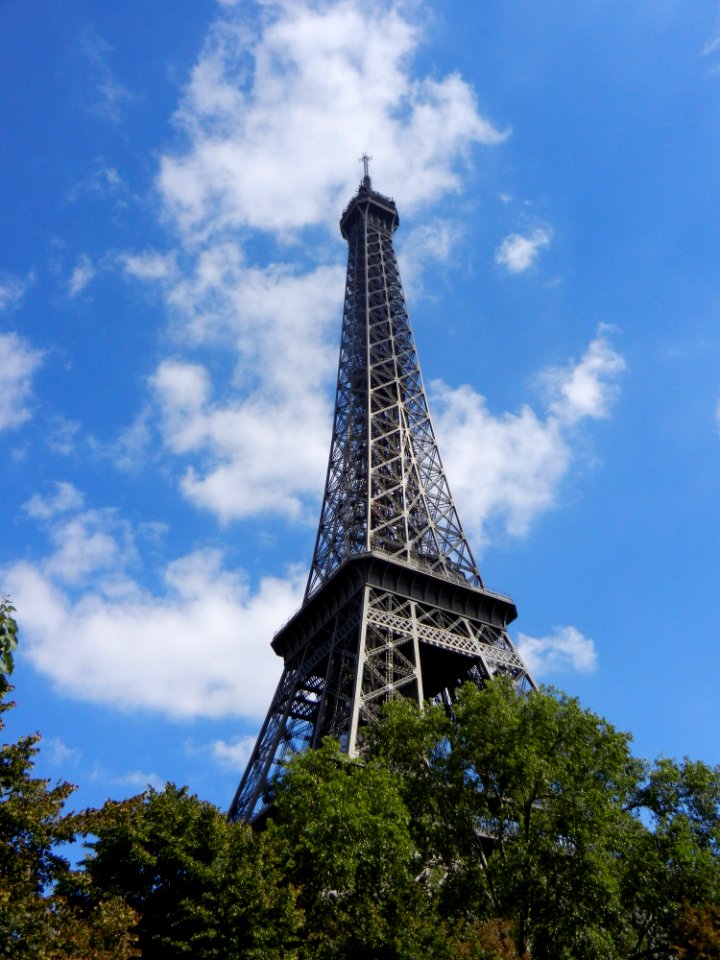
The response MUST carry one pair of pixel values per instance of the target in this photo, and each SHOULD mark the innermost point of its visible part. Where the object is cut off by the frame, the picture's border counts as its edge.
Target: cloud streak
(83, 273)
(12, 289)
(564, 650)
(19, 362)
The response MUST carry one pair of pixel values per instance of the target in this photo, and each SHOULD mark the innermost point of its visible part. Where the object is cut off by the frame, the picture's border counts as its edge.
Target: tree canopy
(513, 827)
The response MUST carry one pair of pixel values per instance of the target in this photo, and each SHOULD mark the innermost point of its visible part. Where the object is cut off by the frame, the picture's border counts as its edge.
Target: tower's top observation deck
(369, 205)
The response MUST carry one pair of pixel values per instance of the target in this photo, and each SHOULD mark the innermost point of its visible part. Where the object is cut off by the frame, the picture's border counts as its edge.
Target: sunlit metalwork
(394, 604)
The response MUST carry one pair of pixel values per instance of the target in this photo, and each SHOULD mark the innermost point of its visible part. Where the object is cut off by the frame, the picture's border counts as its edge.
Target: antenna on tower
(365, 160)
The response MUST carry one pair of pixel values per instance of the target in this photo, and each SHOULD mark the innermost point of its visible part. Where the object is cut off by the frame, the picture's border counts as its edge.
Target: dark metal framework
(394, 604)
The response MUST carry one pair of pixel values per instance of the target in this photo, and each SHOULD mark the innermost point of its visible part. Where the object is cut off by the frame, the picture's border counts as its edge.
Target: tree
(36, 919)
(697, 933)
(672, 878)
(31, 826)
(542, 818)
(353, 860)
(513, 827)
(200, 887)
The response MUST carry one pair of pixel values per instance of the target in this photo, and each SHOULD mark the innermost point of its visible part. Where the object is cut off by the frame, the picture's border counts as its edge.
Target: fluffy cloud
(587, 388)
(265, 449)
(18, 364)
(274, 119)
(234, 754)
(565, 649)
(66, 497)
(508, 468)
(518, 253)
(199, 646)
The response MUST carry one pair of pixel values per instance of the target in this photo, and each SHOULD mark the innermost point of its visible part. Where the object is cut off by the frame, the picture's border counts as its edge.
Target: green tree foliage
(8, 643)
(351, 856)
(541, 817)
(673, 868)
(201, 888)
(36, 919)
(516, 827)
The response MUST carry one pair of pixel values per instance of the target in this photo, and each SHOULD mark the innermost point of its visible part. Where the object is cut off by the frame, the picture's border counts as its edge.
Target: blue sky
(171, 281)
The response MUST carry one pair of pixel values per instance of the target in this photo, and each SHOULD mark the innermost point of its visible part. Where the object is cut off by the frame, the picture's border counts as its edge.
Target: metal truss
(378, 645)
(394, 604)
(386, 489)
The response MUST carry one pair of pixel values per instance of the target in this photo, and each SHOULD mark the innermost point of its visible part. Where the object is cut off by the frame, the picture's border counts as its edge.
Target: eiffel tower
(394, 604)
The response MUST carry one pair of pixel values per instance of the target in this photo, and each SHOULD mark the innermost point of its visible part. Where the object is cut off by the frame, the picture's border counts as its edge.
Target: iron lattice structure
(394, 604)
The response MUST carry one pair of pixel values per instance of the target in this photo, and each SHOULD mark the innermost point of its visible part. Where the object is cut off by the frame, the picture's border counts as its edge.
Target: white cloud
(518, 253)
(18, 364)
(62, 434)
(81, 276)
(59, 754)
(266, 448)
(66, 497)
(135, 779)
(104, 182)
(92, 542)
(432, 242)
(509, 468)
(566, 649)
(129, 450)
(276, 120)
(12, 289)
(199, 646)
(233, 754)
(587, 388)
(149, 265)
(264, 454)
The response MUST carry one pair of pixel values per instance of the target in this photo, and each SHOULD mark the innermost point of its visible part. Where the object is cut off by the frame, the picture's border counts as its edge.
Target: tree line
(517, 827)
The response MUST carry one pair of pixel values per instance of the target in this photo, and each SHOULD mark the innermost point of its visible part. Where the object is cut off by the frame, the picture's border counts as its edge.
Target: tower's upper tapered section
(386, 490)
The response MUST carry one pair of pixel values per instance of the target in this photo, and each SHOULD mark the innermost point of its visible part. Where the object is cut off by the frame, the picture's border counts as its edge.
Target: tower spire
(394, 603)
(365, 160)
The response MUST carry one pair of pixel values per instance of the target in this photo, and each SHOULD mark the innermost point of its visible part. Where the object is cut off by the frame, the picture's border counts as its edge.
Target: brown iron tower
(394, 604)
